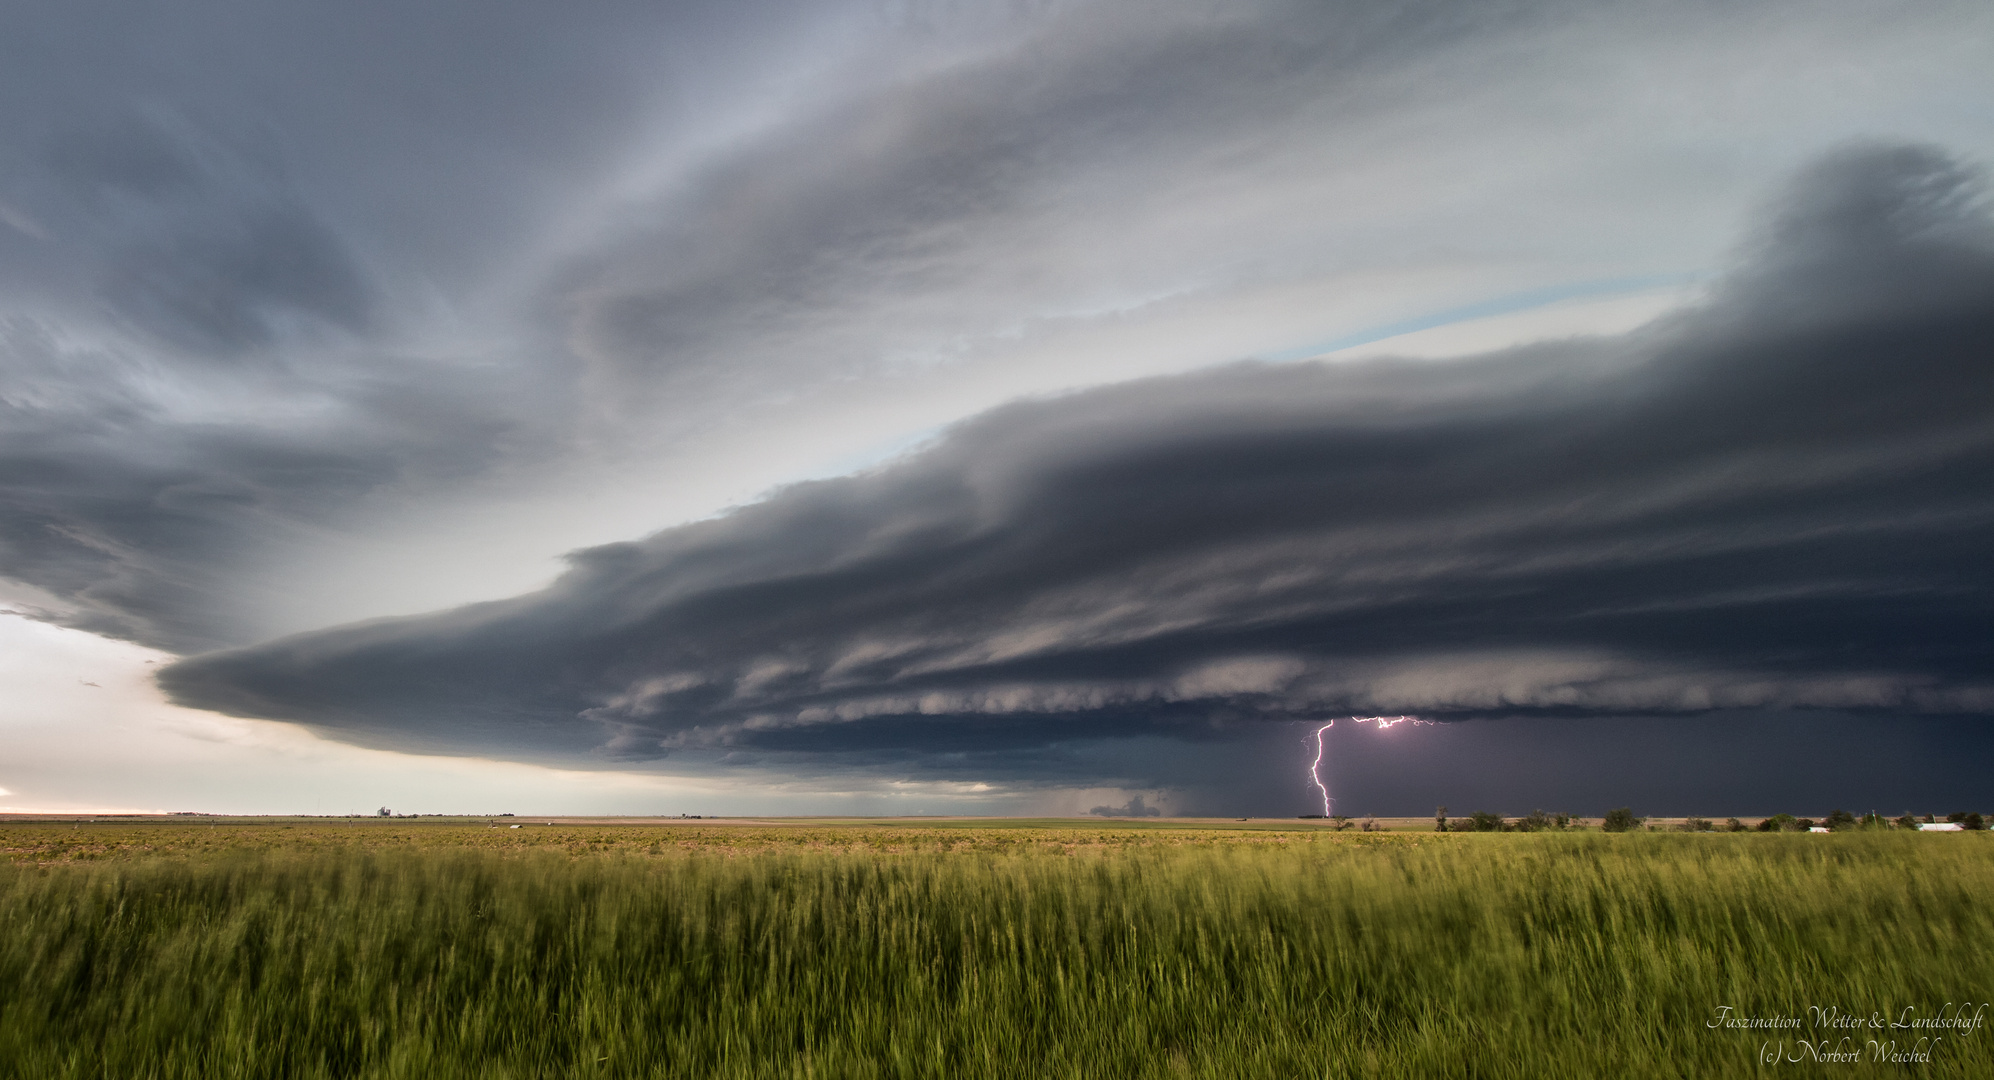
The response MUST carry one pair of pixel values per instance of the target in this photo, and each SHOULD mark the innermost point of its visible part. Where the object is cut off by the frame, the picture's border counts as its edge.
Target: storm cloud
(318, 313)
(218, 310)
(998, 390)
(1775, 499)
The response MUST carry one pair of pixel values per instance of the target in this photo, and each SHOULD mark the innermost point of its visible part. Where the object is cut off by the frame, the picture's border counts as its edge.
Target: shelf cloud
(1048, 403)
(1772, 499)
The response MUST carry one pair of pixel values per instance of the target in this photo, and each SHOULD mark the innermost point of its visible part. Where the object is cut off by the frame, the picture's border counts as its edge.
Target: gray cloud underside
(226, 237)
(273, 274)
(1777, 499)
(919, 219)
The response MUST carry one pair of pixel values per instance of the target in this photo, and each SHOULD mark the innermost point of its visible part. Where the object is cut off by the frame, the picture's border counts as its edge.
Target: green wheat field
(997, 949)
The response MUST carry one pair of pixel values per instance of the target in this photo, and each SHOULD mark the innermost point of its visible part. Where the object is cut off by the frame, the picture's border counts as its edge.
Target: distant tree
(1804, 824)
(1873, 820)
(1840, 820)
(1696, 824)
(1484, 821)
(1906, 822)
(1439, 819)
(1778, 823)
(1340, 822)
(1967, 819)
(1620, 819)
(1534, 821)
(1369, 824)
(1732, 824)
(1562, 821)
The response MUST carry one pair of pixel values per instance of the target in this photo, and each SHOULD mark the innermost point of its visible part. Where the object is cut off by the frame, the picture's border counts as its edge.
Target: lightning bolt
(1315, 767)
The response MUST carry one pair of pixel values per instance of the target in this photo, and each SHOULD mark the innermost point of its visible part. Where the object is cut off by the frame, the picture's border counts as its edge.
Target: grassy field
(832, 949)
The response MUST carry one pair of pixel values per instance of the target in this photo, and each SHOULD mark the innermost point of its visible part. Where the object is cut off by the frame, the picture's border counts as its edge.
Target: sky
(1032, 407)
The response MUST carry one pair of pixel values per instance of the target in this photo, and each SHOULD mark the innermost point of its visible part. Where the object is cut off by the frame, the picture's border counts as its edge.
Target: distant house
(1819, 828)
(1941, 826)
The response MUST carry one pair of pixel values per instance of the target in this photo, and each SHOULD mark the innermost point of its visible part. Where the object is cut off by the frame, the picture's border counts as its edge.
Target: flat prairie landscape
(316, 948)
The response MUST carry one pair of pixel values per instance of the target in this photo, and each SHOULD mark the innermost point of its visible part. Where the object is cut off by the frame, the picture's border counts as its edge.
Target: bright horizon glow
(84, 704)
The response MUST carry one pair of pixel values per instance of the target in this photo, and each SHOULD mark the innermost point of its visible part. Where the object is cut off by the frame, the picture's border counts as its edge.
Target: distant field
(424, 948)
(85, 840)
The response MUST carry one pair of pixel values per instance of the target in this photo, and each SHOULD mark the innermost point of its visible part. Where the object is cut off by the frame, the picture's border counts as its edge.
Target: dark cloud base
(1775, 501)
(1718, 764)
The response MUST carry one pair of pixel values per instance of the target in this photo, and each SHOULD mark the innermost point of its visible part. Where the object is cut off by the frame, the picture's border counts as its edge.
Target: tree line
(1623, 819)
